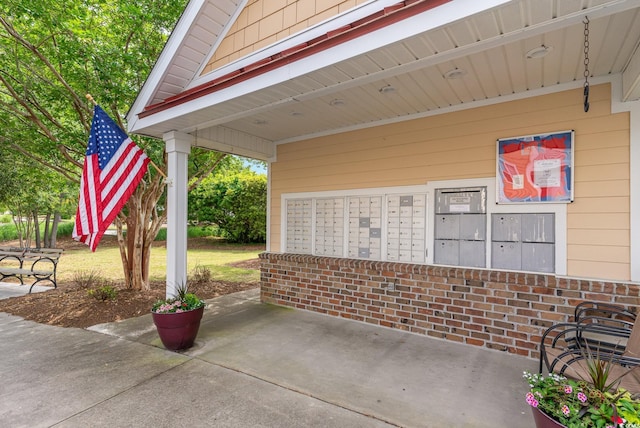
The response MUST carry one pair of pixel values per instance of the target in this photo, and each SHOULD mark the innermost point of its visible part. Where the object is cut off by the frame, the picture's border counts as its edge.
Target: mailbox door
(506, 255)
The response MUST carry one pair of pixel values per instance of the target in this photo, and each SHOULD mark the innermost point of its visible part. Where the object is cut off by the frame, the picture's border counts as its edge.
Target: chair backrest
(633, 344)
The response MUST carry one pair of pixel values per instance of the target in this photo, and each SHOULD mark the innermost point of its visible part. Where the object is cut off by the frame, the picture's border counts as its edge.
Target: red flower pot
(542, 420)
(178, 330)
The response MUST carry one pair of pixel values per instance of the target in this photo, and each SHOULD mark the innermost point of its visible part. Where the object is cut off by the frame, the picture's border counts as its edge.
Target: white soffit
(425, 21)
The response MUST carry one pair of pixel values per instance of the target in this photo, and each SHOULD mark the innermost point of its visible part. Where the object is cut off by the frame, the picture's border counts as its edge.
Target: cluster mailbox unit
(460, 227)
(523, 242)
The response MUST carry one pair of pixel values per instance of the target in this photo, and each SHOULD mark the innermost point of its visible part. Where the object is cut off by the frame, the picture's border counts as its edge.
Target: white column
(634, 188)
(178, 147)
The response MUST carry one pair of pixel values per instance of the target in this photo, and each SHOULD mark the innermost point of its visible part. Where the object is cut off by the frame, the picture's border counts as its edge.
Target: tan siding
(263, 22)
(601, 205)
(601, 221)
(586, 189)
(600, 253)
(590, 269)
(463, 145)
(604, 237)
(602, 172)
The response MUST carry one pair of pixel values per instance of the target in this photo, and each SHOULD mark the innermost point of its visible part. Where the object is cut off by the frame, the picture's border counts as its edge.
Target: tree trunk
(47, 233)
(53, 239)
(36, 229)
(142, 223)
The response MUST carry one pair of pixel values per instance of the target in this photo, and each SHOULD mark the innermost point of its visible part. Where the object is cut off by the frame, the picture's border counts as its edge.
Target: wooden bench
(39, 263)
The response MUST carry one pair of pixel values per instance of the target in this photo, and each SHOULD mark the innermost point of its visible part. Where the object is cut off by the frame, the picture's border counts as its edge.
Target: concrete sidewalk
(254, 365)
(11, 289)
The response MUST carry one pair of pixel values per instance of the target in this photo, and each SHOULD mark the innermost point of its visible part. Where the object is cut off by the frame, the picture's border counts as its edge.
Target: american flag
(112, 170)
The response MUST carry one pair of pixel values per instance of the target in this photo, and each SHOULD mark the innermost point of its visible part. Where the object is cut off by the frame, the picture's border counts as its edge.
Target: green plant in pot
(595, 401)
(177, 319)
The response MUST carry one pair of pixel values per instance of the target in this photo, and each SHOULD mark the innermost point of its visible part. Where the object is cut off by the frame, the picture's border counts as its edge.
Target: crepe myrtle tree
(52, 53)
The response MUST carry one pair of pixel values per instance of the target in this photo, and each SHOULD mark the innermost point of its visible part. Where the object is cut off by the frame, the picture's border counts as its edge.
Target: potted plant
(177, 319)
(560, 402)
(594, 401)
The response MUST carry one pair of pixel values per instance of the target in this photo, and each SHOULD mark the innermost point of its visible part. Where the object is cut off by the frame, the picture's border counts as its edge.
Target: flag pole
(90, 98)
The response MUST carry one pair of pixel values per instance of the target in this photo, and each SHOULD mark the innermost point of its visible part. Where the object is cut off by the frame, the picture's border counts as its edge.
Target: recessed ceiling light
(387, 90)
(539, 52)
(456, 73)
(337, 102)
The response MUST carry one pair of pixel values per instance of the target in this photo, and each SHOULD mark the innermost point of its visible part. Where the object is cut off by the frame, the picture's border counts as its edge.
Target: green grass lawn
(106, 261)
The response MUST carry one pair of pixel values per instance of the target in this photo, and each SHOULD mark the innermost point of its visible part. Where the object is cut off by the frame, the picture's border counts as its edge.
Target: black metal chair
(602, 326)
(613, 336)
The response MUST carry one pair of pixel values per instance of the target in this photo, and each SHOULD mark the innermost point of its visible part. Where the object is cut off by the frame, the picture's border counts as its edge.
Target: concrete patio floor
(254, 365)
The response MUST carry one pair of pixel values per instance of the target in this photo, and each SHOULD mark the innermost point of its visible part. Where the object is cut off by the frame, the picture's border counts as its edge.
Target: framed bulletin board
(535, 168)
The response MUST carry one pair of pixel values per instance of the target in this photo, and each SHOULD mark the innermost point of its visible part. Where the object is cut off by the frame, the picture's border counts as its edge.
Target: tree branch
(67, 174)
(206, 172)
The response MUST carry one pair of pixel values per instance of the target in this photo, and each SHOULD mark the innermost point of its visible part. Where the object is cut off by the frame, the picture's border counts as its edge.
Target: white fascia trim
(269, 193)
(433, 18)
(197, 79)
(166, 58)
(633, 108)
(302, 36)
(634, 190)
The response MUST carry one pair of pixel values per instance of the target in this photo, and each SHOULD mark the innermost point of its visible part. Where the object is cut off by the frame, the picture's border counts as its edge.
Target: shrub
(237, 203)
(200, 275)
(8, 232)
(192, 232)
(65, 228)
(106, 292)
(88, 278)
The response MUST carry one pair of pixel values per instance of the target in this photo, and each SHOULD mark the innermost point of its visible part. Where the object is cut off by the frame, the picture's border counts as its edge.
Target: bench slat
(14, 262)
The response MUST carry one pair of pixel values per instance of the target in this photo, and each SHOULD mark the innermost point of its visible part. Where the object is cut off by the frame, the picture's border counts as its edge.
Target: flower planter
(178, 330)
(543, 421)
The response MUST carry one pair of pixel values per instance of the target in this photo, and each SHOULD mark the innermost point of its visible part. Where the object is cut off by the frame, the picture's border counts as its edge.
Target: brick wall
(505, 311)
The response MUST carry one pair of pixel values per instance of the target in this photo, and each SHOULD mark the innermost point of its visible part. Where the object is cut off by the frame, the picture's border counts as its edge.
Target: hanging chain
(586, 64)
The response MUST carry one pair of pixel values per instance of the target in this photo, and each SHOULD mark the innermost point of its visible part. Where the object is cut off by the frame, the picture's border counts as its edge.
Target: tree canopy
(55, 51)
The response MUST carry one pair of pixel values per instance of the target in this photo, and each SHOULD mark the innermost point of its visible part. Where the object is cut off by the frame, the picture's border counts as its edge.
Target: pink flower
(582, 397)
(568, 389)
(565, 410)
(531, 400)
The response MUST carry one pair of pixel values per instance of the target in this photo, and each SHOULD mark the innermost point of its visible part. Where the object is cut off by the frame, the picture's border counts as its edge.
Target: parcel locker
(460, 227)
(523, 242)
(538, 228)
(506, 255)
(447, 252)
(447, 226)
(538, 257)
(472, 253)
(505, 227)
(473, 227)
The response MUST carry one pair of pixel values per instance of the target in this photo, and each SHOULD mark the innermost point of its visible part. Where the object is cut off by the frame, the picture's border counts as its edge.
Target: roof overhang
(332, 77)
